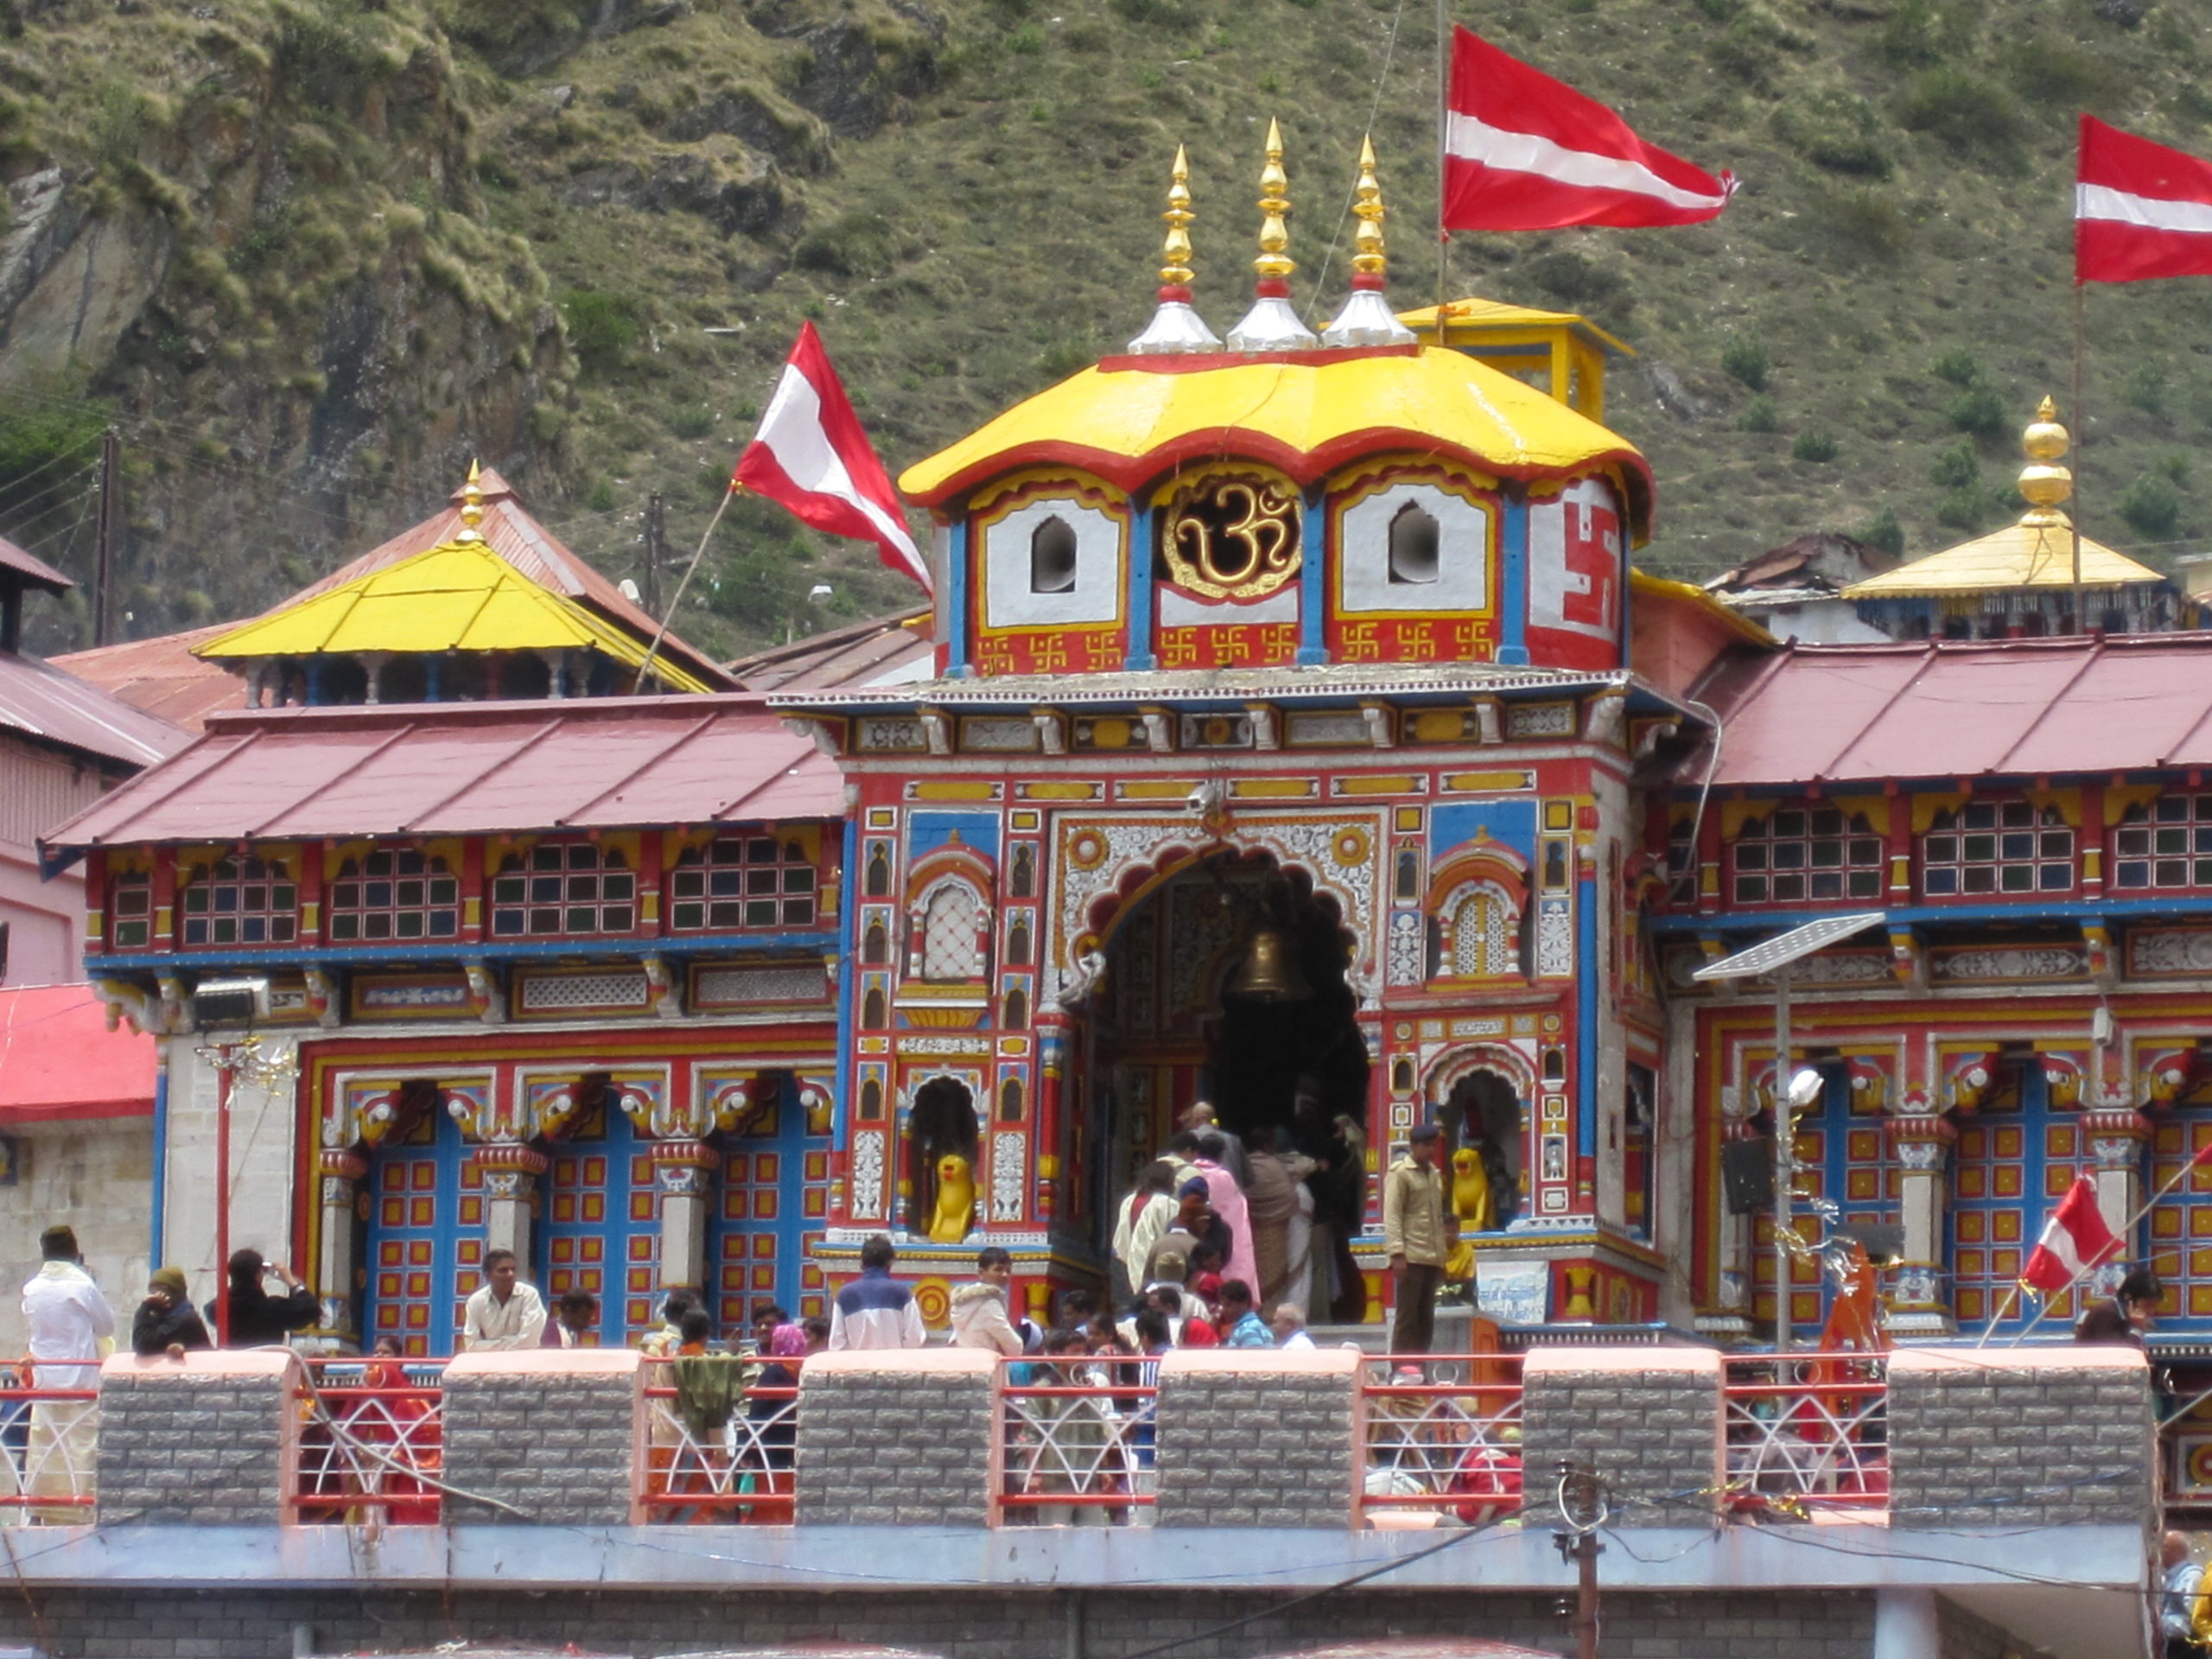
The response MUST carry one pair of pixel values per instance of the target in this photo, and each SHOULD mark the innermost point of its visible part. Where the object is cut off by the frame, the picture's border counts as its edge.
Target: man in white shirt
(1289, 1322)
(69, 1321)
(504, 1314)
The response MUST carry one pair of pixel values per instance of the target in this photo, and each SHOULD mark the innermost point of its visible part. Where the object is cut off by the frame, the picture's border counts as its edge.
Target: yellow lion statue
(955, 1200)
(1471, 1203)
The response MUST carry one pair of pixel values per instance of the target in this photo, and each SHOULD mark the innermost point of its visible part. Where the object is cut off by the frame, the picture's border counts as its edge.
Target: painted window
(2167, 843)
(1992, 846)
(952, 950)
(743, 882)
(1801, 853)
(1483, 942)
(239, 901)
(395, 895)
(563, 888)
(130, 912)
(1052, 557)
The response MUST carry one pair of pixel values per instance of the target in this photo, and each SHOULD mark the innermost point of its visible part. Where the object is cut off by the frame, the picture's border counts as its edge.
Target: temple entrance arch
(1180, 1007)
(1481, 1098)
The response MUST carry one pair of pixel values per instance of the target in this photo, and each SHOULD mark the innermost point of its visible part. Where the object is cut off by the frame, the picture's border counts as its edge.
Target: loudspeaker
(1747, 1175)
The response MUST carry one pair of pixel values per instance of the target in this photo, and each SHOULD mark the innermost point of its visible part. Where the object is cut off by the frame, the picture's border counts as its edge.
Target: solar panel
(1786, 947)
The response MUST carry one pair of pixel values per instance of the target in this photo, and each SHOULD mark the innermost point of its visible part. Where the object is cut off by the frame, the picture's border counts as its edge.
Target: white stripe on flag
(2060, 1242)
(1471, 139)
(2102, 201)
(793, 431)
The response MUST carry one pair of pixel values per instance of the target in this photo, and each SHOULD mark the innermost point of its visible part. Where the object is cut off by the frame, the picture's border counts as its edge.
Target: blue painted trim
(156, 1253)
(955, 602)
(2106, 908)
(1140, 590)
(1585, 1000)
(849, 897)
(1312, 583)
(1513, 580)
(452, 951)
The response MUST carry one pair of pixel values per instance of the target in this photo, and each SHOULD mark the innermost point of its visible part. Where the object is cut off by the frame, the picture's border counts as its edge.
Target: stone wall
(1258, 1438)
(897, 1438)
(94, 1174)
(552, 1433)
(2020, 1437)
(210, 1439)
(126, 1622)
(1648, 1421)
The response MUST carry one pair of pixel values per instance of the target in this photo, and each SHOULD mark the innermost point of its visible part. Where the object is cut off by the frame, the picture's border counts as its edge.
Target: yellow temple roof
(1476, 315)
(459, 595)
(1307, 412)
(2037, 552)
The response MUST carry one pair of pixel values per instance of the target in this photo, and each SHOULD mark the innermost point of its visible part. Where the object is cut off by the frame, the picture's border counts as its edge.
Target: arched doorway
(1484, 1112)
(1185, 1012)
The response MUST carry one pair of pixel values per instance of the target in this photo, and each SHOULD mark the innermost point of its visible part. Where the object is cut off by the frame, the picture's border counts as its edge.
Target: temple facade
(1299, 737)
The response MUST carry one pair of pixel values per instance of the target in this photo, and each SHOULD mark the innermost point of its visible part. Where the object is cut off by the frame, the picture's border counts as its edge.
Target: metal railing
(1077, 1440)
(371, 1435)
(49, 1443)
(736, 1471)
(1443, 1438)
(1808, 1431)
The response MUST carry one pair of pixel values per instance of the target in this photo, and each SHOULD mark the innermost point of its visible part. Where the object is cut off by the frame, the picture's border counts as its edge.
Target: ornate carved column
(2117, 1138)
(1918, 1301)
(339, 1241)
(1732, 1243)
(510, 1172)
(684, 1173)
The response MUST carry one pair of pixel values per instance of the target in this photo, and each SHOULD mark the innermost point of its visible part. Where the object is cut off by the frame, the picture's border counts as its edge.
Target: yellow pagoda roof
(1476, 315)
(459, 595)
(1307, 412)
(2039, 551)
(2024, 555)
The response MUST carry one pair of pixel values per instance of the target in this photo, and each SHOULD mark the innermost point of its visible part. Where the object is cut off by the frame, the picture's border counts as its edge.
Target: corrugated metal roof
(36, 572)
(1935, 709)
(41, 701)
(58, 1059)
(883, 651)
(161, 676)
(469, 769)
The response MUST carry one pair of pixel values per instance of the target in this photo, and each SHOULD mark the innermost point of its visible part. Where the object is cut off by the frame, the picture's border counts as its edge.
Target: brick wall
(131, 1622)
(2018, 1437)
(1648, 1421)
(897, 1438)
(552, 1432)
(209, 1440)
(1258, 1438)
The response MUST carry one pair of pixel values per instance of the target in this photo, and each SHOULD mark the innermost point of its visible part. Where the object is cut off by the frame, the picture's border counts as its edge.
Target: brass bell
(1270, 970)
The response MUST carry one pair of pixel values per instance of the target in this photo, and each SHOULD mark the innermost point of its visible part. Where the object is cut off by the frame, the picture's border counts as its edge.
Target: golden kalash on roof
(1289, 499)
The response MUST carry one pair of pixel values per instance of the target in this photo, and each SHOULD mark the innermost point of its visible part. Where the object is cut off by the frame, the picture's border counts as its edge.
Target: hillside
(311, 254)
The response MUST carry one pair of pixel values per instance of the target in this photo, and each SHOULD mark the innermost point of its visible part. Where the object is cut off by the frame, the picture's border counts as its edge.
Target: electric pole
(1581, 1512)
(656, 547)
(103, 551)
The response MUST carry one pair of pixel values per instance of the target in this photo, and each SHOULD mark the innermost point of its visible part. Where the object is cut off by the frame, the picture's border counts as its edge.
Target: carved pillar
(1732, 1314)
(339, 1246)
(1921, 1140)
(2116, 1140)
(1051, 1083)
(510, 1172)
(684, 1171)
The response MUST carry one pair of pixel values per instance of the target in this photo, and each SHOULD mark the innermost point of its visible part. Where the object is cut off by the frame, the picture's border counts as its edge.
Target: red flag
(2073, 1240)
(2140, 210)
(1525, 152)
(811, 456)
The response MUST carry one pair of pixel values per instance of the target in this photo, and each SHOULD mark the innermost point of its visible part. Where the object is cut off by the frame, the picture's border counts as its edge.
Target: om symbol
(1237, 540)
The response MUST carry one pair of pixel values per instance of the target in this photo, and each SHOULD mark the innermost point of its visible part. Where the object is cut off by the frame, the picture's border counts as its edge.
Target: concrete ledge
(203, 1364)
(2087, 1357)
(1298, 1361)
(1540, 1362)
(930, 1362)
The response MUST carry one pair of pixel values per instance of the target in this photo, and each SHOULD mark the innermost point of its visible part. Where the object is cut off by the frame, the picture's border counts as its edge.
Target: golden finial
(2045, 485)
(472, 505)
(1367, 258)
(1274, 265)
(1175, 255)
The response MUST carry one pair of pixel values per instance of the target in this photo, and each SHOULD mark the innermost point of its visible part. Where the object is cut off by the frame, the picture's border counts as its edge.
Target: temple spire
(1367, 319)
(471, 505)
(2045, 485)
(1271, 325)
(1175, 328)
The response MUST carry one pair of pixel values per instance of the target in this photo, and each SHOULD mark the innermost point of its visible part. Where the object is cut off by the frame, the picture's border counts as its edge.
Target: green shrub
(2145, 388)
(602, 327)
(1579, 283)
(1859, 227)
(2152, 506)
(1813, 446)
(601, 497)
(1965, 508)
(692, 421)
(1882, 531)
(1836, 130)
(1961, 367)
(1977, 410)
(2052, 72)
(853, 244)
(1759, 415)
(1919, 32)
(1957, 467)
(1743, 357)
(1964, 112)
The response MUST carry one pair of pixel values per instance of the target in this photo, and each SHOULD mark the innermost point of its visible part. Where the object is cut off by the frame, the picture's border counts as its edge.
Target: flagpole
(689, 570)
(2121, 1237)
(1443, 135)
(2081, 450)
(2012, 1295)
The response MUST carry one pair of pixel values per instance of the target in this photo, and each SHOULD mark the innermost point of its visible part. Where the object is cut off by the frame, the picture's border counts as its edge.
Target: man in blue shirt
(876, 1310)
(1242, 1326)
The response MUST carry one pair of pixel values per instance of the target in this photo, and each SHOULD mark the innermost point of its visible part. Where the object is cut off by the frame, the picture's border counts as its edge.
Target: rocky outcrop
(71, 281)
